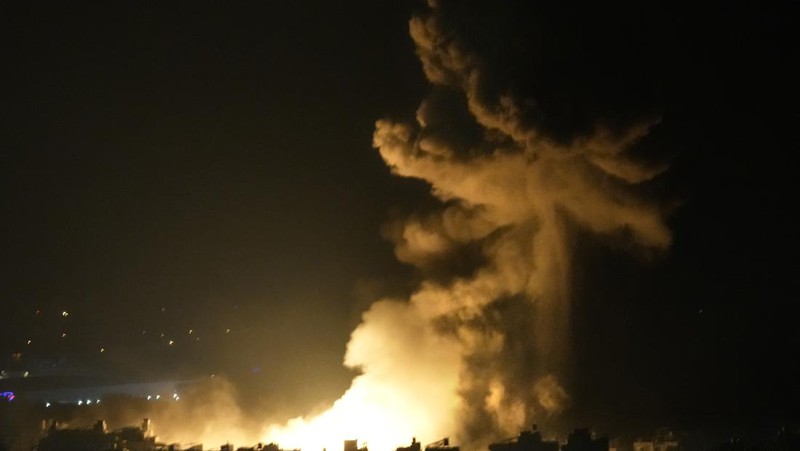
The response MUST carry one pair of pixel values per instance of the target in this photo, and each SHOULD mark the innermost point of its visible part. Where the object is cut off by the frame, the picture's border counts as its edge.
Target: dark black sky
(215, 161)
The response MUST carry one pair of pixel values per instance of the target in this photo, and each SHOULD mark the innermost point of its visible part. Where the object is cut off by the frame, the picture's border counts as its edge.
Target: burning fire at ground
(477, 353)
(446, 361)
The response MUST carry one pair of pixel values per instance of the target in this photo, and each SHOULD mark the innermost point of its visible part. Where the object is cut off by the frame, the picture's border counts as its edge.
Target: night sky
(207, 172)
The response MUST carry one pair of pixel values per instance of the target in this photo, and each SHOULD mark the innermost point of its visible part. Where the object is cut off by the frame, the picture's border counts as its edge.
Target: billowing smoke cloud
(522, 144)
(478, 353)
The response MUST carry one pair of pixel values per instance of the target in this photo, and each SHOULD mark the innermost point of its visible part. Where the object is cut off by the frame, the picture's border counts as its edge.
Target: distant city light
(63, 335)
(29, 342)
(97, 401)
(7, 395)
(26, 374)
(190, 331)
(158, 396)
(47, 404)
(227, 331)
(88, 401)
(171, 342)
(148, 397)
(65, 314)
(102, 349)
(80, 402)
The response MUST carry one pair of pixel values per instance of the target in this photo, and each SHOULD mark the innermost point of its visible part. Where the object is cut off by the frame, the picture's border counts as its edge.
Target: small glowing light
(227, 331)
(26, 374)
(47, 404)
(88, 401)
(29, 342)
(197, 339)
(177, 398)
(148, 397)
(171, 342)
(144, 332)
(163, 309)
(158, 396)
(65, 314)
(102, 349)
(97, 401)
(63, 335)
(162, 335)
(80, 402)
(190, 331)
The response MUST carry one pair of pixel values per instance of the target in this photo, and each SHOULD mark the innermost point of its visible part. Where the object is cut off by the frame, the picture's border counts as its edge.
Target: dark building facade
(530, 440)
(583, 440)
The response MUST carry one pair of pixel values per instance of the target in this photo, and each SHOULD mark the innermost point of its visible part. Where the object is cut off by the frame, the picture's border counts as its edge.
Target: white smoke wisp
(479, 356)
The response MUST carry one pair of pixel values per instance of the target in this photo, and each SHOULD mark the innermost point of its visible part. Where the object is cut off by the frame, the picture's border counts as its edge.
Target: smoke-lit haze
(477, 354)
(384, 220)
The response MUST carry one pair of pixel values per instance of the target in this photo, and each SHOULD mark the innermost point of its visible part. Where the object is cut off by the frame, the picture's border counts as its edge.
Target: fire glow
(407, 389)
(446, 361)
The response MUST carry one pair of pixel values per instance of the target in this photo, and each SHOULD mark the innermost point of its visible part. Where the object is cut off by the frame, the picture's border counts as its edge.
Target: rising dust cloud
(479, 355)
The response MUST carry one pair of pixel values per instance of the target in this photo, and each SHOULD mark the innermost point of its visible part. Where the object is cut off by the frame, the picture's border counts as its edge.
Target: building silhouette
(442, 445)
(530, 440)
(97, 438)
(583, 440)
(663, 440)
(414, 446)
(352, 445)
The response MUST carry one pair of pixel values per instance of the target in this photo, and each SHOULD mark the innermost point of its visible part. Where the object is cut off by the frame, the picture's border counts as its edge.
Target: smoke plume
(479, 353)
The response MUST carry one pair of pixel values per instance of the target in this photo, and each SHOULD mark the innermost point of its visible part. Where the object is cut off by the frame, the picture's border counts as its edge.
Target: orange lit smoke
(445, 361)
(407, 389)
